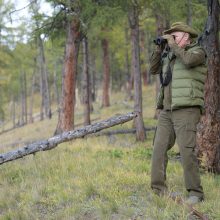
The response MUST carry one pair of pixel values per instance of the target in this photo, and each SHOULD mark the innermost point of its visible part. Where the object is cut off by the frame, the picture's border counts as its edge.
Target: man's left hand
(169, 38)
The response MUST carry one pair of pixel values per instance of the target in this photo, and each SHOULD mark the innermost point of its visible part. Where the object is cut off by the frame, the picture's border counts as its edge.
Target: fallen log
(127, 131)
(64, 137)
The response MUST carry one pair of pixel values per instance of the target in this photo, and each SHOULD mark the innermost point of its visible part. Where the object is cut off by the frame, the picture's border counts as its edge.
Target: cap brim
(191, 31)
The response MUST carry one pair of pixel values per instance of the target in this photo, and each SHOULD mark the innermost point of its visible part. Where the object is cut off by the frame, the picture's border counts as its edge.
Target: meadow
(105, 177)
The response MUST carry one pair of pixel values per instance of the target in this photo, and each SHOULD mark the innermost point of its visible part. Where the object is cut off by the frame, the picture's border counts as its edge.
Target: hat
(181, 26)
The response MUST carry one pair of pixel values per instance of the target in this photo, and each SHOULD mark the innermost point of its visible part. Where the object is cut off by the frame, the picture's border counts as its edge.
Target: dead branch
(20, 9)
(64, 137)
(192, 210)
(127, 131)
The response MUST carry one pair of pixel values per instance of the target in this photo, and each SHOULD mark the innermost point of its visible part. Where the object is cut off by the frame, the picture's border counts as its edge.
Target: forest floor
(105, 177)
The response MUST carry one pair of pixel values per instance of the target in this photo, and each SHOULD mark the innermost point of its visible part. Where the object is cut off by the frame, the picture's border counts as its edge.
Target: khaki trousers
(178, 125)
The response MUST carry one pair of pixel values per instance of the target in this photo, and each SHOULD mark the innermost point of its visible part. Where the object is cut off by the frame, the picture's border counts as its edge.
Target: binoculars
(160, 40)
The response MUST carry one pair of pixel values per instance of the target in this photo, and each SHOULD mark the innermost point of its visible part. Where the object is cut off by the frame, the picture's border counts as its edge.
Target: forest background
(98, 177)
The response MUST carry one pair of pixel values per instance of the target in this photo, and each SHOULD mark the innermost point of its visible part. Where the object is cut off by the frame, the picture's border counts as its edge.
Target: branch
(193, 212)
(64, 137)
(128, 131)
(20, 9)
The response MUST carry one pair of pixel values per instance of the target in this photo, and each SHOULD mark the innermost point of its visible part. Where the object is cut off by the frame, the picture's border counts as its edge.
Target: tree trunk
(160, 29)
(85, 83)
(13, 112)
(189, 12)
(208, 139)
(134, 25)
(46, 105)
(131, 79)
(66, 111)
(106, 76)
(143, 58)
(41, 92)
(31, 119)
(23, 98)
(149, 42)
(93, 80)
(55, 84)
(127, 67)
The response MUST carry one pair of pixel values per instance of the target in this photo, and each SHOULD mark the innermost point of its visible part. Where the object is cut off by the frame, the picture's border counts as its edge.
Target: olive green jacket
(188, 76)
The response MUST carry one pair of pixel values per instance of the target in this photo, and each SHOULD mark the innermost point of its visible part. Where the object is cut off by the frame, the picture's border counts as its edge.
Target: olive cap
(181, 26)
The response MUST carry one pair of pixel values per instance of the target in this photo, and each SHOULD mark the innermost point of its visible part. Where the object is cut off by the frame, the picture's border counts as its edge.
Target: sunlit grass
(106, 177)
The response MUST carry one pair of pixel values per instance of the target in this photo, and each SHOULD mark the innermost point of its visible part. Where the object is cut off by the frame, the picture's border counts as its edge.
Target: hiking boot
(192, 200)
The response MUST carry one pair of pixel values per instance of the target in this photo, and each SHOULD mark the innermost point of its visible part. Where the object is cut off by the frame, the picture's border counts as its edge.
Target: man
(181, 65)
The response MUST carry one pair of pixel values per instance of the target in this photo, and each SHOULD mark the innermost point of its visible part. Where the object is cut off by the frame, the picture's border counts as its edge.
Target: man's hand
(170, 39)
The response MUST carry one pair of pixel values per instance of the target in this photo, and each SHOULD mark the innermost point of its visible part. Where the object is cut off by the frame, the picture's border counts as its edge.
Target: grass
(95, 177)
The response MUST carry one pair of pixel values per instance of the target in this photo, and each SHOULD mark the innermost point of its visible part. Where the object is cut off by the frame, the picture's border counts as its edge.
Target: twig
(20, 9)
(193, 211)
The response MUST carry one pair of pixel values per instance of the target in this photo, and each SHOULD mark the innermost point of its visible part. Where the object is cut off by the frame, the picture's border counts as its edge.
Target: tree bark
(127, 67)
(208, 139)
(85, 83)
(106, 76)
(64, 137)
(23, 118)
(149, 50)
(55, 85)
(13, 112)
(160, 28)
(189, 12)
(93, 79)
(131, 79)
(134, 25)
(31, 119)
(66, 110)
(143, 58)
(45, 92)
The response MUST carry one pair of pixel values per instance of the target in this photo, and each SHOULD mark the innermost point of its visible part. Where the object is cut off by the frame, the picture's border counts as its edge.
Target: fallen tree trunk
(64, 137)
(127, 131)
(104, 133)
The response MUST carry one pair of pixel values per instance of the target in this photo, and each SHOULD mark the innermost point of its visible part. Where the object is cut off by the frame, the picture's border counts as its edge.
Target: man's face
(181, 38)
